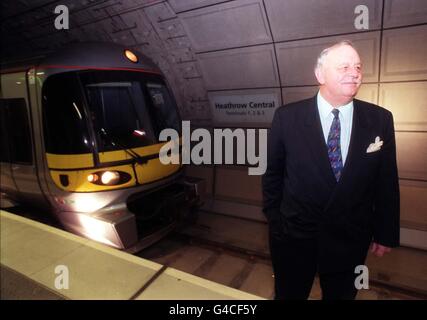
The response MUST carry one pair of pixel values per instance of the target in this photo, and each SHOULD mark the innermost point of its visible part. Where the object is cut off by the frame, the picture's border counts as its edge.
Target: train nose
(140, 221)
(113, 226)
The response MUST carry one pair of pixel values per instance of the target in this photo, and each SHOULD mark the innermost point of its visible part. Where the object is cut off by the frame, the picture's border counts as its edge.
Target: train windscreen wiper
(138, 159)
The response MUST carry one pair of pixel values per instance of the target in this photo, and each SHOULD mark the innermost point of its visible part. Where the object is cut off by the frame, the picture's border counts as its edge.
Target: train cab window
(120, 111)
(166, 115)
(64, 120)
(15, 121)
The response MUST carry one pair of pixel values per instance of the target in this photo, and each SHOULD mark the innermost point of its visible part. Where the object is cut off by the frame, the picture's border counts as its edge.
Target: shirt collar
(325, 108)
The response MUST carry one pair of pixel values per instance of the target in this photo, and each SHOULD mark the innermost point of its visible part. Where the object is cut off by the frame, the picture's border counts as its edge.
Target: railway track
(252, 270)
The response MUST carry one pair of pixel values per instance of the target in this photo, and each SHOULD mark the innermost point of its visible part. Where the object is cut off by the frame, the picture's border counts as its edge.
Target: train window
(166, 115)
(4, 145)
(118, 108)
(64, 121)
(14, 116)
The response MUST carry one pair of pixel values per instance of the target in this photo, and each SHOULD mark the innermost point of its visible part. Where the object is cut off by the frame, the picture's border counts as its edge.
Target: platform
(30, 252)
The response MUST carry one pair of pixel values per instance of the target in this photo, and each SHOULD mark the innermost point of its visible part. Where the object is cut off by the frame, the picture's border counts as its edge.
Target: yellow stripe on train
(111, 156)
(69, 161)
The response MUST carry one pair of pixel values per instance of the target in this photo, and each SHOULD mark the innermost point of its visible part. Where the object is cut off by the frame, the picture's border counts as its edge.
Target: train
(80, 140)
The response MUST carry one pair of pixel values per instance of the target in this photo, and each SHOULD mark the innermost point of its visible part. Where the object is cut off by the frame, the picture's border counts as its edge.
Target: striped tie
(334, 148)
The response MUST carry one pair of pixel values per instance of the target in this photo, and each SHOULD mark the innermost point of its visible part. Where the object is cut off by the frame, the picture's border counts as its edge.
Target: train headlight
(108, 178)
(131, 56)
(92, 177)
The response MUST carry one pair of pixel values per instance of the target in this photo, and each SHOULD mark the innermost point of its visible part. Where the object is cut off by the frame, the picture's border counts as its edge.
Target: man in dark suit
(331, 185)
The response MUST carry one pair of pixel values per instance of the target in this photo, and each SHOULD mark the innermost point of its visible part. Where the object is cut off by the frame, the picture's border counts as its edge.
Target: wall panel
(407, 102)
(232, 24)
(184, 5)
(413, 205)
(412, 155)
(404, 53)
(235, 183)
(296, 19)
(404, 12)
(297, 59)
(252, 67)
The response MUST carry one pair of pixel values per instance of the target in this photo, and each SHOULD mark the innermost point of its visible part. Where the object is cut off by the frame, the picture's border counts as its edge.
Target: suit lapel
(360, 133)
(313, 132)
(316, 142)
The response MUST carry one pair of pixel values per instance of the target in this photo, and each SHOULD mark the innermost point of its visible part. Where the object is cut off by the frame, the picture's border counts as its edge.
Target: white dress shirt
(346, 121)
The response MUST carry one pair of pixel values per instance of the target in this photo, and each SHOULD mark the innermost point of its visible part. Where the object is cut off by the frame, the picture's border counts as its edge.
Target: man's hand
(379, 250)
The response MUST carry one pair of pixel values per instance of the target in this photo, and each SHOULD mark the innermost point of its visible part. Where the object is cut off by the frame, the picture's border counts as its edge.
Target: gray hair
(324, 53)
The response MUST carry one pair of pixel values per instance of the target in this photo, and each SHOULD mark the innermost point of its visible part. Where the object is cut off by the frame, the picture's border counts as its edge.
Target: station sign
(243, 108)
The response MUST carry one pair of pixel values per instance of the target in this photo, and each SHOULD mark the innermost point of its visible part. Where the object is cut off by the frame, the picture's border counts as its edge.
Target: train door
(16, 118)
(7, 184)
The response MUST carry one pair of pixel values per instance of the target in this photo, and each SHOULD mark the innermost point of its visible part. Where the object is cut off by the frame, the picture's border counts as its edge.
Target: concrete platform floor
(15, 286)
(31, 252)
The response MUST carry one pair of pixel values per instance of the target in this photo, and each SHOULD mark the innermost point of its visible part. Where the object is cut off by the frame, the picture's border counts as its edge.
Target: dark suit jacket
(302, 198)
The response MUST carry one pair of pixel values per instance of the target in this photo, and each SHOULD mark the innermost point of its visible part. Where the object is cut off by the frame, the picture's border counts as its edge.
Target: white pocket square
(375, 146)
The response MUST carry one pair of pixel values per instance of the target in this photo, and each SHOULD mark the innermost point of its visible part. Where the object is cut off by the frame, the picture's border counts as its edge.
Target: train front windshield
(117, 109)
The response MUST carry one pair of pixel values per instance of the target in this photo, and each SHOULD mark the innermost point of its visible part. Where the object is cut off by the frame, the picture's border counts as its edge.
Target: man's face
(340, 76)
